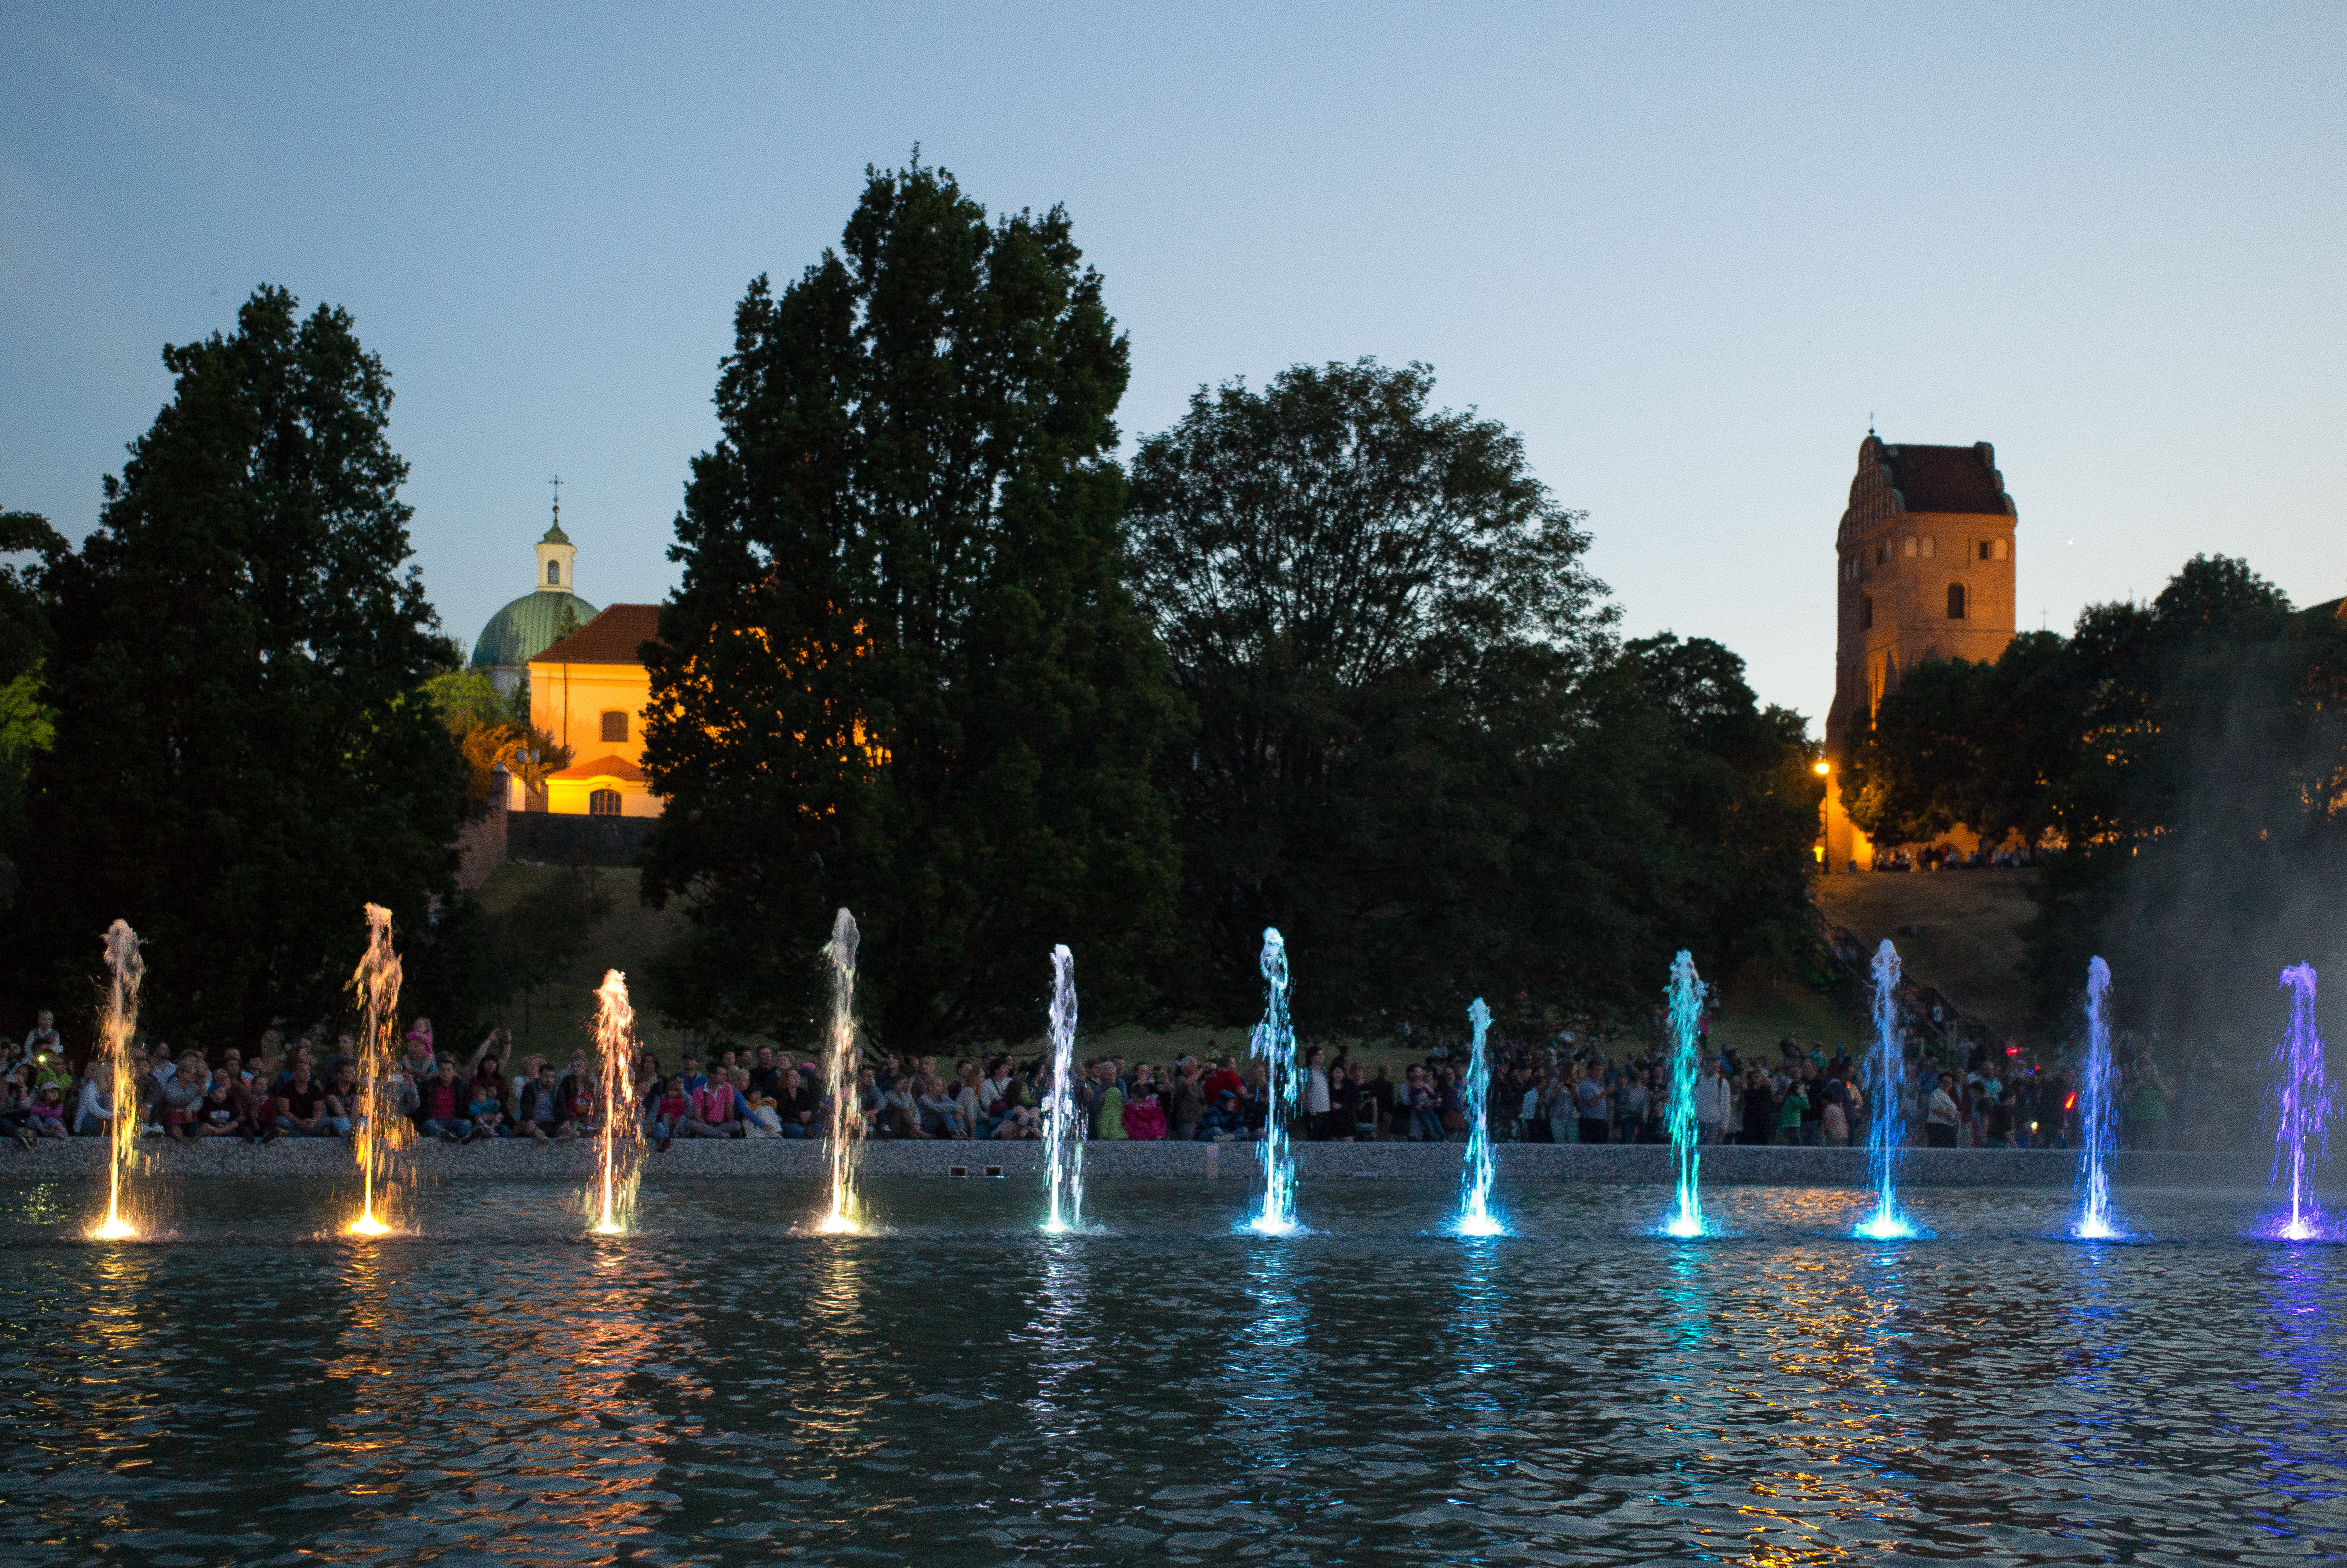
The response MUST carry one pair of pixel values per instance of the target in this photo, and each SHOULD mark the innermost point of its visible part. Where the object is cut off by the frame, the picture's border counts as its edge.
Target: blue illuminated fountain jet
(2302, 1135)
(1274, 1041)
(1475, 1216)
(1886, 1075)
(1686, 1014)
(2098, 1110)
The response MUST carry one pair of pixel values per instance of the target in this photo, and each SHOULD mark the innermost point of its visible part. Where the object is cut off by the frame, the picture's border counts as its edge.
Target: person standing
(1940, 1116)
(1711, 1103)
(1316, 1101)
(1594, 1106)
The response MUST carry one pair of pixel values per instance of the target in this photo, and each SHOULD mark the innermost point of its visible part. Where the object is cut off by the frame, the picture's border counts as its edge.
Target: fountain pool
(958, 1389)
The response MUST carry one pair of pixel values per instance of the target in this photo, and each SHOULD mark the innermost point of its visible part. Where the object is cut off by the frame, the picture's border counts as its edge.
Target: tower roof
(1948, 478)
(1963, 480)
(528, 627)
(554, 535)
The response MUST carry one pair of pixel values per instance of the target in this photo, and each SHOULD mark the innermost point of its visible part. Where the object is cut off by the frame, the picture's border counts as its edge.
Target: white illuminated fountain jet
(1063, 1125)
(1886, 1075)
(1685, 1016)
(1274, 1041)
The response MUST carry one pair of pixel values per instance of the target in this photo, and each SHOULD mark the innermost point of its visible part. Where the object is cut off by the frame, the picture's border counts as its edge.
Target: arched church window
(554, 574)
(603, 803)
(615, 726)
(1955, 602)
(1865, 611)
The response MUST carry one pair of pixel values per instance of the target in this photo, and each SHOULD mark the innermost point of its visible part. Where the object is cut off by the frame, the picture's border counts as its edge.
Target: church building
(1923, 570)
(587, 681)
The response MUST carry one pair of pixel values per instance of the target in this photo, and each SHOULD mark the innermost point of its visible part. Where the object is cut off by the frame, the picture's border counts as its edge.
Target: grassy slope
(560, 1017)
(1958, 931)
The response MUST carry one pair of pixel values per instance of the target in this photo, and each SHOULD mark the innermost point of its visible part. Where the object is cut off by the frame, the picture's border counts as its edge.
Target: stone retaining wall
(1650, 1164)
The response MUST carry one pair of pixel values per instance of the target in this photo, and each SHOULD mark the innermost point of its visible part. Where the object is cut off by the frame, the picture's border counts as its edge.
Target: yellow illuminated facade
(589, 693)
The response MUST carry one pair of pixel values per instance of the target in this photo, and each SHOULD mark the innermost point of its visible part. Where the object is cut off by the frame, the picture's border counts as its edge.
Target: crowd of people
(1568, 1088)
(1945, 857)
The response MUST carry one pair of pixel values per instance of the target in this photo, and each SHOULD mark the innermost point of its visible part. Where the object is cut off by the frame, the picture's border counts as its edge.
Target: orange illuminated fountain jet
(619, 1147)
(840, 1068)
(116, 1024)
(378, 1135)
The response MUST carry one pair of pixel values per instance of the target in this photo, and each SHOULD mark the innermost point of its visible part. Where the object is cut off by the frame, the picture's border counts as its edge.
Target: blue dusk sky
(1685, 251)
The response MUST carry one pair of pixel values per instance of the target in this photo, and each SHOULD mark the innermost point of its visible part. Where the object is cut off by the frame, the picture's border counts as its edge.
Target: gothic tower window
(1906, 550)
(554, 574)
(1955, 602)
(1931, 547)
(1865, 611)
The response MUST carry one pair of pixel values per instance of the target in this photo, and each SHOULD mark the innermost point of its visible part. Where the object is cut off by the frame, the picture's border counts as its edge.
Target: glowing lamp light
(2070, 1101)
(1825, 767)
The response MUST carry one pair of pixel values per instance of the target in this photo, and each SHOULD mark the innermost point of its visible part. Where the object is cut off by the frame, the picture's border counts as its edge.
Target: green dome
(529, 627)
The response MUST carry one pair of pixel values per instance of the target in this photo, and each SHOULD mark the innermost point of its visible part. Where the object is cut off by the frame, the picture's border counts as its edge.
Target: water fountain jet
(1274, 1041)
(1475, 1216)
(116, 1023)
(618, 1139)
(2098, 1111)
(1063, 1128)
(1686, 1017)
(379, 1129)
(2302, 1135)
(842, 1060)
(1886, 1127)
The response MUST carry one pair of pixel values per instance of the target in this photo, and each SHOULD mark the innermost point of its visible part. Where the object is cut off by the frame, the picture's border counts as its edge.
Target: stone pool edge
(1639, 1165)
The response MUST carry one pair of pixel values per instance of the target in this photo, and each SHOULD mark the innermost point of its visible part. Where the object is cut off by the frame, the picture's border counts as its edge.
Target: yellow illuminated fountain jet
(611, 1197)
(117, 1025)
(377, 1134)
(840, 1068)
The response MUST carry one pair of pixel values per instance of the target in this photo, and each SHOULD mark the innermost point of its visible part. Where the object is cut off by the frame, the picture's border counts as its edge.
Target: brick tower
(1923, 567)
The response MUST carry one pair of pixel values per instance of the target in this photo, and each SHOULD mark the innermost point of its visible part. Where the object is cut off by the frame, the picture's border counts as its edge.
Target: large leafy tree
(1419, 752)
(902, 673)
(28, 723)
(2186, 758)
(242, 753)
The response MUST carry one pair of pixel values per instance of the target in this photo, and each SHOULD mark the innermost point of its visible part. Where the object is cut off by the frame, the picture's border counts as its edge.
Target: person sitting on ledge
(795, 1106)
(256, 1109)
(538, 1112)
(670, 1108)
(712, 1111)
(440, 1106)
(301, 1103)
(46, 1116)
(345, 1114)
(216, 1115)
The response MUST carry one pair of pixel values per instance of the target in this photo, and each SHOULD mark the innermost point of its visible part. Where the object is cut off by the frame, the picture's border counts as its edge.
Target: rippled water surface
(496, 1388)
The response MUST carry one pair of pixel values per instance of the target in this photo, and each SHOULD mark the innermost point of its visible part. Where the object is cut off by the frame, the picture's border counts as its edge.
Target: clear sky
(1685, 251)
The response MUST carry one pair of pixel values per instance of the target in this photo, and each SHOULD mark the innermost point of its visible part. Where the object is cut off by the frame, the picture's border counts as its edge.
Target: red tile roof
(1938, 479)
(613, 767)
(613, 636)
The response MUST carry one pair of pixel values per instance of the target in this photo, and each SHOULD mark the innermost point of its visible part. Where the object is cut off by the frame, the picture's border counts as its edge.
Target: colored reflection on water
(959, 1389)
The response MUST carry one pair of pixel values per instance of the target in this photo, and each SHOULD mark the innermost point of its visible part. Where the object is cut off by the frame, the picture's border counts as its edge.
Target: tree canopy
(1419, 750)
(902, 673)
(2186, 759)
(242, 755)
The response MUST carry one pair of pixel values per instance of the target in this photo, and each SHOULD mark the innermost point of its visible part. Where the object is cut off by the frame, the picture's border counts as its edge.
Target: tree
(902, 673)
(2185, 757)
(493, 732)
(243, 753)
(28, 723)
(1379, 615)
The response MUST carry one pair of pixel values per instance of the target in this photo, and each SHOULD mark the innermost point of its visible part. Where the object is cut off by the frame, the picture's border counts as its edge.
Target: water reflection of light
(1061, 1354)
(2304, 1389)
(535, 1437)
(1836, 1329)
(1270, 1362)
